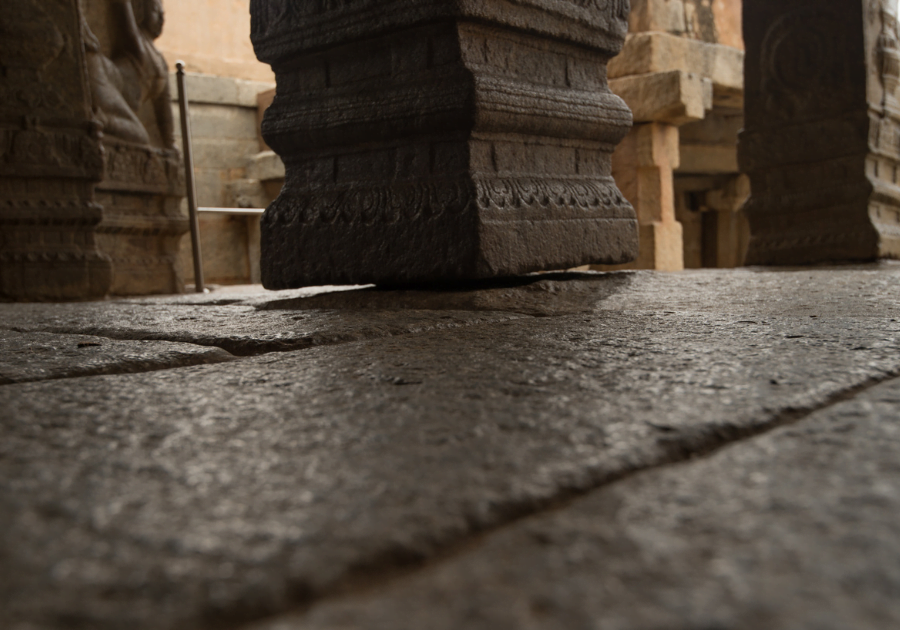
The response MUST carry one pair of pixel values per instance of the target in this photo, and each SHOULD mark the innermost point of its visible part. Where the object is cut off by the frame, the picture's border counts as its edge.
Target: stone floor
(708, 450)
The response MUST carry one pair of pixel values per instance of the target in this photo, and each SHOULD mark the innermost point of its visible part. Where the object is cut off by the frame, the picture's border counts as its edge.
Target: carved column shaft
(822, 137)
(50, 158)
(441, 141)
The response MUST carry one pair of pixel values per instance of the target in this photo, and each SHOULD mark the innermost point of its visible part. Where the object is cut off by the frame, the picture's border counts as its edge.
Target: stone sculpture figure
(135, 73)
(442, 140)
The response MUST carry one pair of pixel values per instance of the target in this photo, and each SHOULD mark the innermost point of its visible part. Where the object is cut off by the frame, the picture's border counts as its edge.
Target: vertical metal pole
(189, 178)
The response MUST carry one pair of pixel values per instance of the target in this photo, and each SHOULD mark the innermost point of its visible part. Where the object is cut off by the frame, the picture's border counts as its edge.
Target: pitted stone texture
(28, 357)
(849, 291)
(239, 329)
(244, 294)
(236, 491)
(798, 529)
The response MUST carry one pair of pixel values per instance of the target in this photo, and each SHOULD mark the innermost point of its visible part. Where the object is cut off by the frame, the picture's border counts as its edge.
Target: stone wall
(212, 37)
(712, 21)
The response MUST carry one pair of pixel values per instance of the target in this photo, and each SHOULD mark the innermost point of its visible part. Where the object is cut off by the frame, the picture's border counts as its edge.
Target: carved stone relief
(50, 157)
(820, 142)
(424, 145)
(803, 57)
(133, 76)
(89, 177)
(143, 178)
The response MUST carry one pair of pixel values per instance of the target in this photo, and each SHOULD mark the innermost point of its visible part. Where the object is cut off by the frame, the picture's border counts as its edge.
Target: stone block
(714, 22)
(228, 249)
(644, 53)
(708, 159)
(822, 127)
(676, 97)
(224, 153)
(442, 141)
(223, 122)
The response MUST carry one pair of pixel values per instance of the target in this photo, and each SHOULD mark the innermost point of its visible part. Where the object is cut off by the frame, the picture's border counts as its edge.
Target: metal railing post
(189, 178)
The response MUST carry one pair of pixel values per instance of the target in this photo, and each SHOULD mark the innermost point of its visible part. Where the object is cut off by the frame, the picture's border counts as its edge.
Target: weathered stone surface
(822, 121)
(537, 295)
(28, 357)
(241, 330)
(266, 166)
(448, 141)
(864, 291)
(713, 22)
(796, 529)
(227, 492)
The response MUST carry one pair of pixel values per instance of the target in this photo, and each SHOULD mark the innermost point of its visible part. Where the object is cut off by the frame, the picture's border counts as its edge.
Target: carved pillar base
(143, 220)
(48, 249)
(822, 136)
(441, 142)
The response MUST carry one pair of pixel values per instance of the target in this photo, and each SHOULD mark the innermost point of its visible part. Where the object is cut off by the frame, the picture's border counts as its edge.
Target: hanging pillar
(442, 141)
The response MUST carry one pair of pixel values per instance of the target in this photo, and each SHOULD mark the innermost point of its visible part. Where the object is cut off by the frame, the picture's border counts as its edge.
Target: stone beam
(442, 141)
(646, 53)
(822, 126)
(675, 97)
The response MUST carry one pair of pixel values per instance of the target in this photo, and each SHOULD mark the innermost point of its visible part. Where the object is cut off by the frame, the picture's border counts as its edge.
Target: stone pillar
(442, 139)
(50, 158)
(90, 181)
(822, 137)
(643, 166)
(675, 74)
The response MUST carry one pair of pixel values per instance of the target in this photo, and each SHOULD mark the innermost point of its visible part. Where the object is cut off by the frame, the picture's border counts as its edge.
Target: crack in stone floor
(221, 494)
(383, 573)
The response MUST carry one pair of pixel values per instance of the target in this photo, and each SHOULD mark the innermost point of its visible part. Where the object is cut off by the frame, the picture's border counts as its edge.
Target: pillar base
(472, 140)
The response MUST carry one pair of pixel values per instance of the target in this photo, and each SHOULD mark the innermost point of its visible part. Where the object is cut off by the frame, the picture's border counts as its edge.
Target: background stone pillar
(442, 140)
(682, 66)
(822, 137)
(50, 158)
(643, 166)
